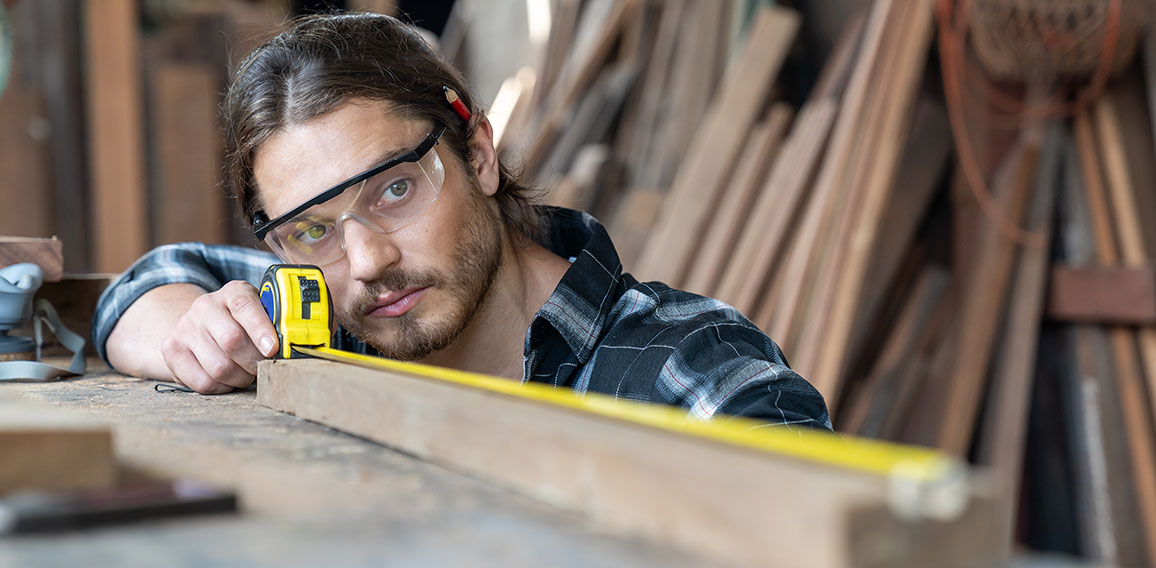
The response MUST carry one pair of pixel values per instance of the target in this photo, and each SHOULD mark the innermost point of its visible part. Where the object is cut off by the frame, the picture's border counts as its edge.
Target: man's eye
(395, 191)
(312, 234)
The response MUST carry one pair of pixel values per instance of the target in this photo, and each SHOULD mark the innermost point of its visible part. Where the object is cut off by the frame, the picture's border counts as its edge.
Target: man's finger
(217, 364)
(245, 306)
(186, 369)
(236, 344)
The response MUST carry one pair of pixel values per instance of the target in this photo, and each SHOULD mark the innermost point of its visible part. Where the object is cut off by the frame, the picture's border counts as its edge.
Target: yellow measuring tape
(300, 338)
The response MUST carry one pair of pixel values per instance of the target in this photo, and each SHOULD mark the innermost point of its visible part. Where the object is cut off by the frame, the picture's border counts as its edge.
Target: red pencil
(456, 102)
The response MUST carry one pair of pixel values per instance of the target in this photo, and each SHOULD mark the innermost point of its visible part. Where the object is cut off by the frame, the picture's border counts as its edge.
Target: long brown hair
(326, 60)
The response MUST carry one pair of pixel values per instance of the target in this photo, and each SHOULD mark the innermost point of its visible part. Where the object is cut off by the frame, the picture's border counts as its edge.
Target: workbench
(309, 495)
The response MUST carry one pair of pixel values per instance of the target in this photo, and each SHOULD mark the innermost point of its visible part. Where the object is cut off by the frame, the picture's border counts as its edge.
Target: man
(431, 249)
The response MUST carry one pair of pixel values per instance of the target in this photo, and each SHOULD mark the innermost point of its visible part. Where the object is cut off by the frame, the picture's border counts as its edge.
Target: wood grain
(42, 448)
(115, 134)
(716, 147)
(621, 475)
(48, 254)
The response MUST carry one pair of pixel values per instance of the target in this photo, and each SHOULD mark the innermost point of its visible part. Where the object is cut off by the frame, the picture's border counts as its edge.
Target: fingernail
(268, 346)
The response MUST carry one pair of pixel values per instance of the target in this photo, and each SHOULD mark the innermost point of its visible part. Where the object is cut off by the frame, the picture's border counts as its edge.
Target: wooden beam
(48, 254)
(1124, 295)
(887, 145)
(761, 246)
(1003, 433)
(734, 210)
(623, 475)
(1132, 372)
(115, 132)
(50, 449)
(189, 204)
(716, 147)
(982, 304)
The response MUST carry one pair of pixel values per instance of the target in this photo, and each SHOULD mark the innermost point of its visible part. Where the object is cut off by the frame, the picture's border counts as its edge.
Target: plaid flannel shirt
(600, 331)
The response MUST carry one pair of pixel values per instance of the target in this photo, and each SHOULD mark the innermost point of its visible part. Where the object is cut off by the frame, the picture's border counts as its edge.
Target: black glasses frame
(262, 225)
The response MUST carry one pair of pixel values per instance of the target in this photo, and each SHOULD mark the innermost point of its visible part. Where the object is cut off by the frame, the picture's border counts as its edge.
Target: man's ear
(483, 156)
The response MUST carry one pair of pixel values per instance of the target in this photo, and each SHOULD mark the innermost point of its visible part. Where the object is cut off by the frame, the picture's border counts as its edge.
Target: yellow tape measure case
(298, 303)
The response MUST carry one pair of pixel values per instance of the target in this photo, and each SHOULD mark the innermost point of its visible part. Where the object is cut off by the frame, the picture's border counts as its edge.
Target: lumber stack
(1004, 318)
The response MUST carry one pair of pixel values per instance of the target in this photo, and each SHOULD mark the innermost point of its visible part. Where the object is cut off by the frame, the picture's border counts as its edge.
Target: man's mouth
(394, 304)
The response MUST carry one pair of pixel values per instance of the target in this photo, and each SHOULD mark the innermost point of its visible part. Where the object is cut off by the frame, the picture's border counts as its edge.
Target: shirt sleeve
(207, 266)
(732, 368)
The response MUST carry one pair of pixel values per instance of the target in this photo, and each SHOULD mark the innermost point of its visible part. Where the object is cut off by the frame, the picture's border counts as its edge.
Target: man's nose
(369, 250)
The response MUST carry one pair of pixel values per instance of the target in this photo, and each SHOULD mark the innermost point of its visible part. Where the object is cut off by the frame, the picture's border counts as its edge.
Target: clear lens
(384, 203)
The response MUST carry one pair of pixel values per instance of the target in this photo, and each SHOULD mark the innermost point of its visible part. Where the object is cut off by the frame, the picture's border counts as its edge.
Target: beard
(411, 336)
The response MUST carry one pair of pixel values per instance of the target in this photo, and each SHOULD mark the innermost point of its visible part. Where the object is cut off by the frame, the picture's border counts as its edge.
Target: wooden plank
(734, 210)
(1131, 374)
(64, 105)
(115, 130)
(48, 254)
(1002, 435)
(887, 145)
(1124, 295)
(188, 204)
(912, 323)
(983, 303)
(26, 182)
(917, 181)
(762, 245)
(622, 475)
(43, 448)
(716, 147)
(694, 81)
(800, 263)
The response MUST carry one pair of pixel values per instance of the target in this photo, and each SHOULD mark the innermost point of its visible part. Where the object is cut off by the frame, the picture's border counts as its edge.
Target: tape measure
(298, 303)
(297, 300)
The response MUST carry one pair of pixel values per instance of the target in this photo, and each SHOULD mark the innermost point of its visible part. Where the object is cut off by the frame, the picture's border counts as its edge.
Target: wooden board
(621, 475)
(115, 132)
(761, 246)
(715, 149)
(734, 210)
(1131, 371)
(982, 304)
(48, 449)
(1117, 295)
(888, 141)
(1003, 433)
(189, 204)
(48, 254)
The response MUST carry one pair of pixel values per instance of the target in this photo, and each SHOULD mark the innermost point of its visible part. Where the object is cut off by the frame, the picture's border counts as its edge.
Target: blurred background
(944, 211)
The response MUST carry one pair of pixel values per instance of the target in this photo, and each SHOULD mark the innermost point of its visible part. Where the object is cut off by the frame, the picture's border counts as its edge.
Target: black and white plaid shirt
(600, 331)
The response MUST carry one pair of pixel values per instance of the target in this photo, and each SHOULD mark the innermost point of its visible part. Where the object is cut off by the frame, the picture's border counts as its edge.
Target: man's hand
(218, 342)
(212, 343)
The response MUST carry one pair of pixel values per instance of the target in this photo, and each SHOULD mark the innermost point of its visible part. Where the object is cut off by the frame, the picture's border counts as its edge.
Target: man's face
(409, 292)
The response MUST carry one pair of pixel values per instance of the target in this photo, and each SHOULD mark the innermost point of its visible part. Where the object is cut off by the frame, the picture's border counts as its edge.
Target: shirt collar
(580, 305)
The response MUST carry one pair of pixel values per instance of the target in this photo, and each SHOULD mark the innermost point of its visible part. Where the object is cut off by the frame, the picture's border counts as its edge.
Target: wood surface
(621, 475)
(309, 495)
(887, 143)
(1124, 295)
(50, 449)
(983, 303)
(115, 134)
(1116, 210)
(189, 205)
(1110, 527)
(1002, 435)
(716, 147)
(800, 263)
(48, 254)
(733, 213)
(64, 106)
(911, 325)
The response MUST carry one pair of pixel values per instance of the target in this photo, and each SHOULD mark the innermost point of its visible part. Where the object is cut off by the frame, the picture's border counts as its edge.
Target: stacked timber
(947, 275)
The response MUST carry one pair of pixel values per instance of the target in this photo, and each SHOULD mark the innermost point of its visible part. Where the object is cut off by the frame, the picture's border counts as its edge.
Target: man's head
(338, 95)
